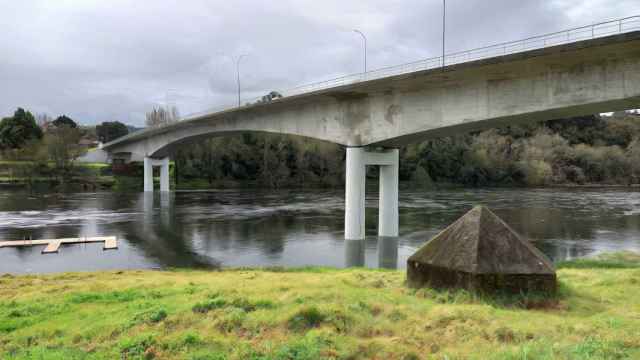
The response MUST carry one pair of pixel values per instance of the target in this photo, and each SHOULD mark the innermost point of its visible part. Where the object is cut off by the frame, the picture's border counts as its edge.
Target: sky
(114, 60)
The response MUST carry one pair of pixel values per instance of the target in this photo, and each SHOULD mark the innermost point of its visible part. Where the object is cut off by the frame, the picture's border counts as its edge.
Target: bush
(307, 348)
(135, 347)
(150, 316)
(231, 320)
(306, 318)
(205, 307)
(249, 306)
(158, 316)
(536, 172)
(604, 163)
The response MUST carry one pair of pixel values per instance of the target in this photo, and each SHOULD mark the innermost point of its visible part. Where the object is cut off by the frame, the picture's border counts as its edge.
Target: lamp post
(444, 22)
(364, 38)
(238, 75)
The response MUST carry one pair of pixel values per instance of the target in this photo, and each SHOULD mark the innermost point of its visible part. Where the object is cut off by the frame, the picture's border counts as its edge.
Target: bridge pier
(149, 163)
(148, 174)
(354, 217)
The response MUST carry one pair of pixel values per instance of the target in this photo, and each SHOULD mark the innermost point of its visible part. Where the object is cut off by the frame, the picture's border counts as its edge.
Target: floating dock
(53, 245)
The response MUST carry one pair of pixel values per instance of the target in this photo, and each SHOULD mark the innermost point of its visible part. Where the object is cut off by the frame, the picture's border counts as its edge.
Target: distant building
(88, 143)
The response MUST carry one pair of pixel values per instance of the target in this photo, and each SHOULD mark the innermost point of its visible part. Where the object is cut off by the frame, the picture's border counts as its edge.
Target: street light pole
(238, 75)
(444, 22)
(365, 47)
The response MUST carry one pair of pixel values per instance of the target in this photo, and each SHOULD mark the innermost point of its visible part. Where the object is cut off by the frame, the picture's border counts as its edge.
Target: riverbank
(315, 313)
(84, 177)
(99, 176)
(44, 177)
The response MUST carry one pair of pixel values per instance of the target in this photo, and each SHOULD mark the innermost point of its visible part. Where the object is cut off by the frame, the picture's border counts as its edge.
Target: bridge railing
(593, 31)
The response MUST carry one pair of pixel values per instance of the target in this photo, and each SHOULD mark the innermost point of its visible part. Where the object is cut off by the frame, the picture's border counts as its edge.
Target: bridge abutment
(149, 163)
(354, 218)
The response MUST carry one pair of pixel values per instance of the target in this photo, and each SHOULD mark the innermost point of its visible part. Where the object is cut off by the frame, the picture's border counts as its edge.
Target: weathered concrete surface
(481, 252)
(581, 78)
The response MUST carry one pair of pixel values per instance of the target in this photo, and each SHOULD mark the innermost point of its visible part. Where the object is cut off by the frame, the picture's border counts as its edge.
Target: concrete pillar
(164, 175)
(388, 205)
(354, 253)
(148, 174)
(354, 194)
(388, 252)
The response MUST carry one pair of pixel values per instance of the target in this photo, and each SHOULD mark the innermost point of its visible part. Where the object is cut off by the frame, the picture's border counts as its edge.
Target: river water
(294, 228)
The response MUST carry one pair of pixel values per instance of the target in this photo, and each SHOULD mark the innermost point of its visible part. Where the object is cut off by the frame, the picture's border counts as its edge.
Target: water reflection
(165, 239)
(295, 228)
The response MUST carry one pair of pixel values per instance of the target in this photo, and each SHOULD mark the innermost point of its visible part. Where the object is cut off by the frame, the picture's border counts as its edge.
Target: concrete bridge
(373, 114)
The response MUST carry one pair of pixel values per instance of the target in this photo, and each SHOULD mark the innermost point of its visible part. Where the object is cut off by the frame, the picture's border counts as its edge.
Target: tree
(162, 116)
(578, 130)
(66, 121)
(33, 162)
(15, 131)
(43, 120)
(111, 130)
(62, 146)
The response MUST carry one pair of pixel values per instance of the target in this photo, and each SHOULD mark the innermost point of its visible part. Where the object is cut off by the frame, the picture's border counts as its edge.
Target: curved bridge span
(577, 78)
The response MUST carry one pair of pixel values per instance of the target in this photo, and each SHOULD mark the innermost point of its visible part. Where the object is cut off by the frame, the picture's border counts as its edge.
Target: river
(234, 228)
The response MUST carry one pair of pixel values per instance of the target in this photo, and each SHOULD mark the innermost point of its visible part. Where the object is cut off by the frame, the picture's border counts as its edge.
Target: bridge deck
(603, 34)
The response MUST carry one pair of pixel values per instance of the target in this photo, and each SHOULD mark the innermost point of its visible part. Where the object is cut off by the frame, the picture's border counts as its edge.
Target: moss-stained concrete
(315, 314)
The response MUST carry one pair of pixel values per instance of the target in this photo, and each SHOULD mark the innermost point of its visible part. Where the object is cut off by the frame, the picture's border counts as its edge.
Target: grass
(315, 313)
(86, 175)
(51, 163)
(620, 260)
(8, 170)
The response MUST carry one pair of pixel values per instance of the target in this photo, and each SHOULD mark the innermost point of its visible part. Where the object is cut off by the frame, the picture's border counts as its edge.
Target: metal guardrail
(594, 31)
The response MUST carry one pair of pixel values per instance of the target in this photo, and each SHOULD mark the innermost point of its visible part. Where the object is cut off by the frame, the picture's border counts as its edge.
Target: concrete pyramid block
(481, 252)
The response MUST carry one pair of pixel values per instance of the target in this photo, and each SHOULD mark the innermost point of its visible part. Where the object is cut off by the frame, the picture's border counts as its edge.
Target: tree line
(582, 150)
(56, 142)
(17, 130)
(41, 148)
(46, 147)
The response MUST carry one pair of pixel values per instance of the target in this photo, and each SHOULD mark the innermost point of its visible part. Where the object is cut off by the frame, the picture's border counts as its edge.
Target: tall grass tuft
(306, 318)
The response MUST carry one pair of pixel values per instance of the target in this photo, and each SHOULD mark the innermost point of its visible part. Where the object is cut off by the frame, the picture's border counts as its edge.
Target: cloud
(114, 60)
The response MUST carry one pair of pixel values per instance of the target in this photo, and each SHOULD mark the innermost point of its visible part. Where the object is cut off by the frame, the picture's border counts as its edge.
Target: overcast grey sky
(115, 59)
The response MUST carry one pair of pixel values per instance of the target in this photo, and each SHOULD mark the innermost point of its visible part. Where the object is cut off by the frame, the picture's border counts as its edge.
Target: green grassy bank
(315, 314)
(83, 176)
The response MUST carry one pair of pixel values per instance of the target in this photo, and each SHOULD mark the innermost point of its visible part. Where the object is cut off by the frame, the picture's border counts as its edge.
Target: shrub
(249, 306)
(305, 318)
(307, 348)
(150, 316)
(231, 320)
(205, 307)
(536, 172)
(191, 338)
(135, 347)
(158, 316)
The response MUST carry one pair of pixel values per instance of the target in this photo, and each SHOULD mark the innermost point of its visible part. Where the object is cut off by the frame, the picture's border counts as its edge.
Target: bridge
(579, 71)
